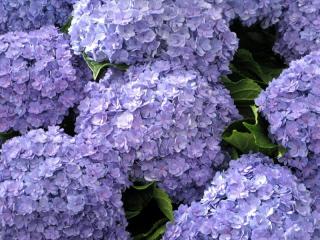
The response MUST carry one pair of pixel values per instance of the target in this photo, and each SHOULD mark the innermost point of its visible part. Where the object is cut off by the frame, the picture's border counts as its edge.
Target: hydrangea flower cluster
(39, 80)
(297, 22)
(299, 29)
(291, 105)
(169, 118)
(267, 12)
(53, 186)
(307, 169)
(133, 31)
(253, 199)
(310, 175)
(26, 15)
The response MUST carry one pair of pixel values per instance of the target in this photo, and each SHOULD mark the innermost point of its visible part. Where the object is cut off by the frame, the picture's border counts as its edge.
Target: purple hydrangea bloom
(53, 186)
(267, 12)
(131, 31)
(253, 199)
(308, 171)
(25, 15)
(39, 79)
(249, 12)
(168, 118)
(291, 105)
(297, 22)
(299, 29)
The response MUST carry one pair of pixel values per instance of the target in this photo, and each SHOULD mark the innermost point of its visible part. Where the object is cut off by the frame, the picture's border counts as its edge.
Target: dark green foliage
(251, 136)
(4, 136)
(253, 67)
(148, 209)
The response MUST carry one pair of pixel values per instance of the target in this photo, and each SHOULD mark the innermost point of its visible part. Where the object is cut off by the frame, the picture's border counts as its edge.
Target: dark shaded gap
(68, 123)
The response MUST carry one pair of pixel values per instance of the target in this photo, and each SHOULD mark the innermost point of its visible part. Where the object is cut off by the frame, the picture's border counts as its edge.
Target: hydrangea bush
(53, 186)
(253, 199)
(189, 31)
(291, 105)
(26, 15)
(39, 79)
(157, 124)
(170, 118)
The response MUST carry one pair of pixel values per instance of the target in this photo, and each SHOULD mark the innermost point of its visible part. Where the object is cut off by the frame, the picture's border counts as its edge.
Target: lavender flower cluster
(194, 32)
(267, 12)
(39, 79)
(171, 119)
(161, 120)
(26, 15)
(310, 175)
(299, 29)
(291, 105)
(253, 199)
(297, 22)
(189, 31)
(57, 187)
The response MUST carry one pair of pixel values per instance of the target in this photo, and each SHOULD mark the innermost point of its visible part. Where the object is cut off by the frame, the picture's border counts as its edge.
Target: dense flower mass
(189, 31)
(310, 175)
(169, 118)
(253, 199)
(39, 79)
(291, 105)
(26, 15)
(299, 29)
(53, 186)
(307, 169)
(266, 12)
(153, 134)
(297, 22)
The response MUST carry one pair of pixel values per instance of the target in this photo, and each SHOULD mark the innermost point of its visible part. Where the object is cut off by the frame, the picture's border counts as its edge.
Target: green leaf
(148, 209)
(236, 74)
(122, 67)
(271, 72)
(66, 26)
(242, 141)
(249, 67)
(247, 136)
(243, 90)
(132, 214)
(97, 67)
(234, 153)
(261, 70)
(258, 133)
(136, 200)
(143, 187)
(157, 234)
(154, 232)
(164, 203)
